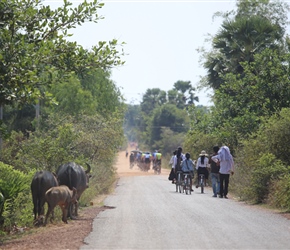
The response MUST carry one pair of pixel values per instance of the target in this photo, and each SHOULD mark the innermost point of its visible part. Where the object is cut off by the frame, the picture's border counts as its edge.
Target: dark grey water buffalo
(41, 182)
(74, 176)
(61, 196)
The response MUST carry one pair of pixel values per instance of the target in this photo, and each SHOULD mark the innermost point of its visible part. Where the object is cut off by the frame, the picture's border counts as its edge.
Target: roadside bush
(58, 140)
(280, 193)
(15, 187)
(262, 159)
(197, 142)
(254, 177)
(266, 172)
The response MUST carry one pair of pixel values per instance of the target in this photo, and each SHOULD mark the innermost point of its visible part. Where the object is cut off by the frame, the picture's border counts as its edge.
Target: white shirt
(225, 159)
(175, 160)
(172, 161)
(200, 165)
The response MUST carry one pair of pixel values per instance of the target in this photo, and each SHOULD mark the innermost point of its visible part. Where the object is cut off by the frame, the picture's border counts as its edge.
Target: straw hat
(203, 153)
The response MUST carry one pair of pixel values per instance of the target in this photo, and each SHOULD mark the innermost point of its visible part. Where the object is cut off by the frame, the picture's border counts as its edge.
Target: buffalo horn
(89, 168)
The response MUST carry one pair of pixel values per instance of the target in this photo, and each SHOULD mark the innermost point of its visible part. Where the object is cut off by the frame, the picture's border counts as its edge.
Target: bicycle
(178, 183)
(201, 182)
(157, 168)
(186, 183)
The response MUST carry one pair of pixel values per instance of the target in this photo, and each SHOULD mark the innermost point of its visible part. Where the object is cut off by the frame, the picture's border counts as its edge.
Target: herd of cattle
(64, 188)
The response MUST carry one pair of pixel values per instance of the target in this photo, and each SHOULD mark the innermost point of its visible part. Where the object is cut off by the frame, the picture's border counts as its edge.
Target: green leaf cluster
(13, 184)
(33, 42)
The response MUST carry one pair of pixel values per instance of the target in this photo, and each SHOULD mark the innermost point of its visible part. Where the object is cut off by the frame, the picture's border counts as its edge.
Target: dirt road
(147, 213)
(123, 167)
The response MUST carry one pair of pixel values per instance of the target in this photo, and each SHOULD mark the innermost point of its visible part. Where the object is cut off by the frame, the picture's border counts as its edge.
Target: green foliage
(255, 26)
(91, 139)
(81, 113)
(33, 43)
(169, 116)
(182, 94)
(132, 122)
(72, 99)
(248, 71)
(280, 193)
(170, 141)
(267, 170)
(276, 135)
(195, 142)
(152, 99)
(262, 158)
(15, 187)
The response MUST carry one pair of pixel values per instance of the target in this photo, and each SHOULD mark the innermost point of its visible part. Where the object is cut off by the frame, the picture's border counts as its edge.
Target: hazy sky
(161, 41)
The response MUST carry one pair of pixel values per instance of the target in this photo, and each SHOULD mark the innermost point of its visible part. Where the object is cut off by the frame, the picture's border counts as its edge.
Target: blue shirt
(187, 165)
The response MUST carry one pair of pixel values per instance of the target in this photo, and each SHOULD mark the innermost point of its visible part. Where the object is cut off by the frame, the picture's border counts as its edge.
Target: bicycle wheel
(181, 188)
(202, 186)
(188, 185)
(177, 182)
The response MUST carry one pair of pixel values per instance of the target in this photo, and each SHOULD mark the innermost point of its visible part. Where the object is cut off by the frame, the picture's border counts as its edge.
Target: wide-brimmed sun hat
(203, 153)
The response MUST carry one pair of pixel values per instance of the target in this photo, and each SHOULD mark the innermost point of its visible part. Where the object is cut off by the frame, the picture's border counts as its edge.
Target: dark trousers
(224, 184)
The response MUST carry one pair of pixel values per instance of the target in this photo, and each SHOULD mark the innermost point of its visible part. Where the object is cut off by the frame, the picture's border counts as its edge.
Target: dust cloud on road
(147, 213)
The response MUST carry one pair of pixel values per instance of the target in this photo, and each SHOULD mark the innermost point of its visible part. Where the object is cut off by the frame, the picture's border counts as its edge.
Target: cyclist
(187, 167)
(158, 157)
(178, 158)
(154, 162)
(172, 176)
(132, 159)
(201, 166)
(147, 160)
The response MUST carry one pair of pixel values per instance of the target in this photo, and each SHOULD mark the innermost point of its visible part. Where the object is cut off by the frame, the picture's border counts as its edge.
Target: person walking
(226, 161)
(214, 172)
(201, 166)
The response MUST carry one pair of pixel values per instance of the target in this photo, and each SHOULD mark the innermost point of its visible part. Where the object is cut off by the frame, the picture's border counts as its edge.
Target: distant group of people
(144, 160)
(220, 163)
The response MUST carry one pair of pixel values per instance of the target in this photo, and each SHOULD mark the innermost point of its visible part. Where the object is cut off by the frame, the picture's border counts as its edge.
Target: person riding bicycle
(172, 176)
(178, 158)
(132, 157)
(147, 160)
(187, 167)
(158, 157)
(201, 166)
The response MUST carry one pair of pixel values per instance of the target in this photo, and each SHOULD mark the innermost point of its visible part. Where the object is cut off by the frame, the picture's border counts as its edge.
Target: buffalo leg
(49, 210)
(64, 213)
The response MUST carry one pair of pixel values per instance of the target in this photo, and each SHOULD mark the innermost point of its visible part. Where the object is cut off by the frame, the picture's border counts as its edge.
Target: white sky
(161, 40)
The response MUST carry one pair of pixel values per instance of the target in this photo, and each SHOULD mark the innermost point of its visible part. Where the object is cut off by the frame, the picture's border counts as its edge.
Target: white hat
(203, 153)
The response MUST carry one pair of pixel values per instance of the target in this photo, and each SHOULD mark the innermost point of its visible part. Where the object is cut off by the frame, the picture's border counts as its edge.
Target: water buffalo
(41, 182)
(74, 176)
(61, 196)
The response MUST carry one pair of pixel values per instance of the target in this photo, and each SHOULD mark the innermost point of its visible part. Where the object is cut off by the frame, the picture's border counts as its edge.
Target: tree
(255, 27)
(132, 122)
(182, 94)
(248, 69)
(32, 41)
(152, 99)
(169, 116)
